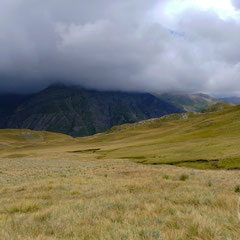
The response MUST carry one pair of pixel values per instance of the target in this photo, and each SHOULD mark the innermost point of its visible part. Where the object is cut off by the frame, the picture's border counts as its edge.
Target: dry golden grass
(60, 195)
(56, 187)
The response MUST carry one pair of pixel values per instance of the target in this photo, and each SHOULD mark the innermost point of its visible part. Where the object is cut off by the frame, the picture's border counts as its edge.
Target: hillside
(16, 143)
(77, 111)
(9, 102)
(188, 102)
(207, 140)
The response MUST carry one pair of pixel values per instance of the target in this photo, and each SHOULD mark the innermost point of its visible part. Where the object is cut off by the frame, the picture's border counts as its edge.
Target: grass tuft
(184, 177)
(24, 207)
(166, 177)
(237, 189)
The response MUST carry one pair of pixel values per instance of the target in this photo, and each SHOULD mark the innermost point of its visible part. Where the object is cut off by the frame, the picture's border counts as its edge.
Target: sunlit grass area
(63, 196)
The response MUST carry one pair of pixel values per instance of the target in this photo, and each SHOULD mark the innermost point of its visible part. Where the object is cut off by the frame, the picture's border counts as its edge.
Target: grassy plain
(66, 196)
(118, 185)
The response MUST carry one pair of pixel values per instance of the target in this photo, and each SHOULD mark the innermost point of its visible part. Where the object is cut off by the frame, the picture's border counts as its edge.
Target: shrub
(183, 177)
(237, 189)
(165, 177)
(210, 183)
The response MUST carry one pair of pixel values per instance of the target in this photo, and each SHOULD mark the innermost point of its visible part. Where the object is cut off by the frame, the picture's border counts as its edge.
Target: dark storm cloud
(116, 45)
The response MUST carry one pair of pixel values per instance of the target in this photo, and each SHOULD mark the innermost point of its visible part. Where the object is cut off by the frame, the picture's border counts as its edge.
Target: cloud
(116, 45)
(236, 4)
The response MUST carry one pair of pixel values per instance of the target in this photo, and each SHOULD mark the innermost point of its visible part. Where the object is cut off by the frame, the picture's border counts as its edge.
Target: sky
(128, 45)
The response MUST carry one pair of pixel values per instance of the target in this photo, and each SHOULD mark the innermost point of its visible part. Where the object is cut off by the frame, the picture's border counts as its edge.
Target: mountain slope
(188, 102)
(10, 102)
(208, 141)
(81, 112)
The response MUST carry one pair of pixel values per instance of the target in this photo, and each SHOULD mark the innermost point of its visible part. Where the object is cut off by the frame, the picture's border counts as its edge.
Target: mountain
(230, 100)
(9, 102)
(188, 102)
(77, 111)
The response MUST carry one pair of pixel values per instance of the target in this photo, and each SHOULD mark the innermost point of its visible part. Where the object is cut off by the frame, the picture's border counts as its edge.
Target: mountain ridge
(189, 102)
(81, 112)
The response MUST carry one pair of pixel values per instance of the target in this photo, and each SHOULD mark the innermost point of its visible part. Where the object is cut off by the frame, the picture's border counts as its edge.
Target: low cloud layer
(118, 45)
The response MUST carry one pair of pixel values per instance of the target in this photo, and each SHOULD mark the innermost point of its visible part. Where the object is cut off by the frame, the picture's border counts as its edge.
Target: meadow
(170, 178)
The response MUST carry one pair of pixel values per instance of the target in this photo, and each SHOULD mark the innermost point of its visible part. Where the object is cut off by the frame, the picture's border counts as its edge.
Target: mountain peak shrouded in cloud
(118, 45)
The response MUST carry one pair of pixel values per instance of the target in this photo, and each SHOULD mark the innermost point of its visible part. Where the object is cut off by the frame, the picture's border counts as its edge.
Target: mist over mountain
(134, 45)
(230, 100)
